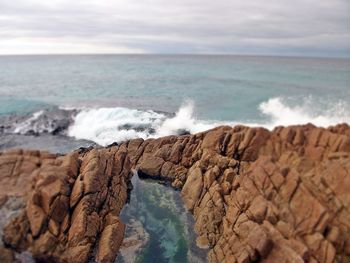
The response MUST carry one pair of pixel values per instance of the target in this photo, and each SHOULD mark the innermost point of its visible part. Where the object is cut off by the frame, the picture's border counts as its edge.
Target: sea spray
(116, 124)
(184, 121)
(107, 125)
(280, 111)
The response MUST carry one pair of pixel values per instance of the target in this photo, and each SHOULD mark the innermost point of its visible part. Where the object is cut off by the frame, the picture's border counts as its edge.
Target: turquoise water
(221, 87)
(120, 97)
(157, 212)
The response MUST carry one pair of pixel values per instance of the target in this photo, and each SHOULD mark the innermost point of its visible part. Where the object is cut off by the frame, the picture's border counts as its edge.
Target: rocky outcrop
(72, 203)
(256, 195)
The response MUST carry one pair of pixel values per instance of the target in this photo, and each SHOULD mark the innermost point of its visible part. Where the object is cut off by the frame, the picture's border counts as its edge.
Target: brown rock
(7, 255)
(151, 166)
(192, 189)
(256, 196)
(216, 139)
(77, 254)
(110, 241)
(77, 191)
(36, 217)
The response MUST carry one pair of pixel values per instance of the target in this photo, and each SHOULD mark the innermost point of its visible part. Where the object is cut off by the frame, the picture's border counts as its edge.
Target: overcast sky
(280, 27)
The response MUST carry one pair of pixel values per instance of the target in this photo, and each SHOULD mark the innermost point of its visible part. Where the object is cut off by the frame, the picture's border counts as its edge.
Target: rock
(216, 139)
(63, 220)
(7, 255)
(256, 195)
(77, 191)
(36, 217)
(202, 242)
(110, 241)
(78, 253)
(151, 166)
(15, 232)
(192, 189)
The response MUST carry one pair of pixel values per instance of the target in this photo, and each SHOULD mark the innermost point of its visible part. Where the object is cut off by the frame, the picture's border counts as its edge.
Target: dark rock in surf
(112, 144)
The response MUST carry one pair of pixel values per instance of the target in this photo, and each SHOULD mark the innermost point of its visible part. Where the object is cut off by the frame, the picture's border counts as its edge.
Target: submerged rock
(135, 241)
(255, 195)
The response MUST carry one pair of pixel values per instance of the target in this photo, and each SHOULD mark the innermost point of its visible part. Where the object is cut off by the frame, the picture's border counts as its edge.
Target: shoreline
(106, 125)
(255, 194)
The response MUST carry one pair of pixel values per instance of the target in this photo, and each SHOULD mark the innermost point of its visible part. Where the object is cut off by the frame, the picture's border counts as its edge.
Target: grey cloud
(179, 26)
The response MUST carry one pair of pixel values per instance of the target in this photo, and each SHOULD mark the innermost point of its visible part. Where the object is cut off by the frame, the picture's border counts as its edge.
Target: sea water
(119, 97)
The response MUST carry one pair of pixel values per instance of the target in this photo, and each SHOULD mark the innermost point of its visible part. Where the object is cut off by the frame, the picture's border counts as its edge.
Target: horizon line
(175, 54)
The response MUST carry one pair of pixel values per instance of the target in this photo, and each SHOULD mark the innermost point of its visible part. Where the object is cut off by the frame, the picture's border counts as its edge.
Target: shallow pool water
(159, 229)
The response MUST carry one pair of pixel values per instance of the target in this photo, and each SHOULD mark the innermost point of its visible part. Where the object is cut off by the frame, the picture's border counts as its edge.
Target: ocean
(67, 101)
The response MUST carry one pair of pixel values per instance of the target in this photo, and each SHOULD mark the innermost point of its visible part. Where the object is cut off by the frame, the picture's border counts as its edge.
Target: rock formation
(72, 203)
(256, 195)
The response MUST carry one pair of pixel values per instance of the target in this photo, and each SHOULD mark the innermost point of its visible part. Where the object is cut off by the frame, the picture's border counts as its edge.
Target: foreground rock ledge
(280, 196)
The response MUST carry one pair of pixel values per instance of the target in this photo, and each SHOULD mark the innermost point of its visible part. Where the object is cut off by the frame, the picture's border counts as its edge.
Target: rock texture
(256, 195)
(72, 203)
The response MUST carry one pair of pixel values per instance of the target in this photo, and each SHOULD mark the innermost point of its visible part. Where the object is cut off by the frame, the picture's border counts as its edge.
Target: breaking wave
(320, 113)
(108, 125)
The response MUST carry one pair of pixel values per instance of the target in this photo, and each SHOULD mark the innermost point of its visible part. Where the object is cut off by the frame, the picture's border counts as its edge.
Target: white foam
(308, 110)
(29, 124)
(107, 125)
(184, 120)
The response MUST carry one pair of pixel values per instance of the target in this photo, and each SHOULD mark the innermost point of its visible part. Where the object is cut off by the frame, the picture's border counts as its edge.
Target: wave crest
(308, 110)
(107, 125)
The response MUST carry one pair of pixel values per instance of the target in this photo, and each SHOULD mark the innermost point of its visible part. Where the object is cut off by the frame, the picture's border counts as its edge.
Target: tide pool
(159, 229)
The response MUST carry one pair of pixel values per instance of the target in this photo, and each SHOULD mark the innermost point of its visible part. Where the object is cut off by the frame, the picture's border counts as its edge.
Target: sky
(272, 27)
